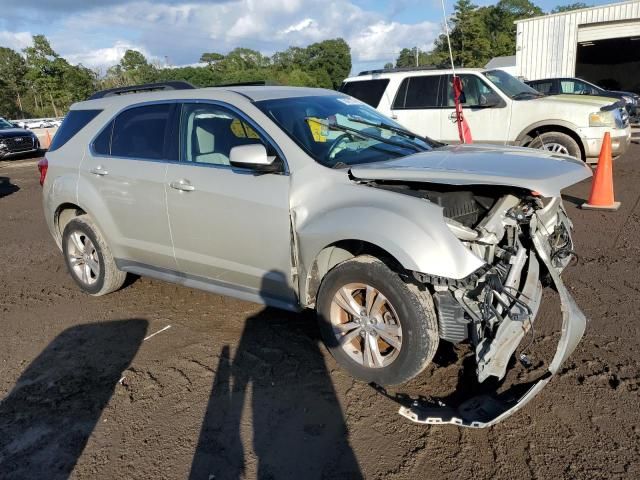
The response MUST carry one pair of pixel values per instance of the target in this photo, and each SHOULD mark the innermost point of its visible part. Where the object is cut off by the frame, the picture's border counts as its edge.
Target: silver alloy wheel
(555, 148)
(83, 258)
(366, 325)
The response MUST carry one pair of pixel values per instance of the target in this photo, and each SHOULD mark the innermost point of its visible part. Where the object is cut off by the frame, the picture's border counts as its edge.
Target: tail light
(43, 166)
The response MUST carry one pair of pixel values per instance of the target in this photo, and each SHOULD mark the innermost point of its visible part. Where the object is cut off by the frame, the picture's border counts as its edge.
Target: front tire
(89, 259)
(556, 142)
(378, 327)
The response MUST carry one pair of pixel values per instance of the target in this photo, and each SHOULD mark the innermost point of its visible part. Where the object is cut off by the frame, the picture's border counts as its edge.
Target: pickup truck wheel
(556, 142)
(377, 327)
(89, 259)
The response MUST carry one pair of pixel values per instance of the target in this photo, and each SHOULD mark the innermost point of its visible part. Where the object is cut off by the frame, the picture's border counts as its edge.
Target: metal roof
(498, 62)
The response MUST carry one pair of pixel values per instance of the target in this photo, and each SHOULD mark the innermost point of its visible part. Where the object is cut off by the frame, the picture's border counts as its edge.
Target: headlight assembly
(602, 119)
(612, 118)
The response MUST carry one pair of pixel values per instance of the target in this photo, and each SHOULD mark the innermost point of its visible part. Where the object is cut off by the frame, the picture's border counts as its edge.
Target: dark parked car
(16, 141)
(577, 86)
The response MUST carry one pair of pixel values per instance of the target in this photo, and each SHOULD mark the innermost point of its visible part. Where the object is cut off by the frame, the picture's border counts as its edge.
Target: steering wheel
(336, 143)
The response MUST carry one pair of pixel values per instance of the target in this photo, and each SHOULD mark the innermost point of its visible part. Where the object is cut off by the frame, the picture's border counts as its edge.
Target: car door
(417, 105)
(126, 169)
(486, 113)
(230, 226)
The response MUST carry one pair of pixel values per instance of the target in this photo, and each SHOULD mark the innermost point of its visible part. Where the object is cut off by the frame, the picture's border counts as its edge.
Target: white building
(600, 44)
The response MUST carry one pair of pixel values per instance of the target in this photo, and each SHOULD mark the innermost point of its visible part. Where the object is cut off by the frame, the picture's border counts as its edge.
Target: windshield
(511, 86)
(4, 124)
(339, 131)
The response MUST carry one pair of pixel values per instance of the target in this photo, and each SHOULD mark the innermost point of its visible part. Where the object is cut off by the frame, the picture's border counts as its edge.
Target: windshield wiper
(523, 94)
(391, 128)
(370, 136)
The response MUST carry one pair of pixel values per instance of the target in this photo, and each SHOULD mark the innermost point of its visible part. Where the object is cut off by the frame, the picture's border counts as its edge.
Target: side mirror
(252, 156)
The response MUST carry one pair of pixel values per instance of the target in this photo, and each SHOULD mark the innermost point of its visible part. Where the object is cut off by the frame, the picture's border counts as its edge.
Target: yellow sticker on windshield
(318, 129)
(242, 130)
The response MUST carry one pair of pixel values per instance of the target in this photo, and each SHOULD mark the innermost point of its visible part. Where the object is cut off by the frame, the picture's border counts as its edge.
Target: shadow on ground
(47, 418)
(275, 389)
(6, 187)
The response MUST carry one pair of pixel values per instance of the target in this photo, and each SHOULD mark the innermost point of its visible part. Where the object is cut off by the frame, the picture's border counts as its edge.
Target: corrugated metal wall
(546, 46)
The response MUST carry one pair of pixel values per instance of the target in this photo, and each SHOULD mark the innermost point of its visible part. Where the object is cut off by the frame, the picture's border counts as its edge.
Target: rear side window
(75, 121)
(419, 92)
(367, 91)
(542, 87)
(102, 143)
(139, 132)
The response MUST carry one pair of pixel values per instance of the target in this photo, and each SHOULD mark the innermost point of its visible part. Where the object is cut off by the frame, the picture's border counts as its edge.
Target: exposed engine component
(452, 321)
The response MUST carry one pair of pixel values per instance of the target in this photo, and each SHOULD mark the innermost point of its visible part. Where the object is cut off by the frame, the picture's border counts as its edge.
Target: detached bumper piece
(486, 410)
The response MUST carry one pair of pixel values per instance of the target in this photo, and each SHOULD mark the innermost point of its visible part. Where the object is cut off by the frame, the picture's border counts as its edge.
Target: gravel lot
(234, 390)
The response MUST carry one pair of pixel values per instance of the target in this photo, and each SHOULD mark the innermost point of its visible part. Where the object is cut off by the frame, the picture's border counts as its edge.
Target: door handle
(394, 116)
(183, 185)
(99, 170)
(453, 117)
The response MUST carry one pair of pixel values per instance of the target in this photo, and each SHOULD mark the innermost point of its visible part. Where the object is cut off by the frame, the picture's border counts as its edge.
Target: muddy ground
(234, 390)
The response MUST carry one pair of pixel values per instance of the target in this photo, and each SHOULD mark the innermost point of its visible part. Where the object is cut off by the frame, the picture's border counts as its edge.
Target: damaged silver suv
(307, 198)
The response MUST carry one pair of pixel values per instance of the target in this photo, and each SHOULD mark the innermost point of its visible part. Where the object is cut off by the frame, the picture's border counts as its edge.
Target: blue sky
(96, 33)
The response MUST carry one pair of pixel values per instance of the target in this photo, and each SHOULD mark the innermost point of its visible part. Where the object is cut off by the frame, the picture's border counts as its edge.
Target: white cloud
(102, 58)
(384, 40)
(15, 40)
(306, 23)
(184, 30)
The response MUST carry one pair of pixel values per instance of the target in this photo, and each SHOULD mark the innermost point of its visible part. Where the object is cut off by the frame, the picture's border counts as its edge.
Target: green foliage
(50, 84)
(46, 84)
(407, 58)
(12, 72)
(568, 8)
(477, 34)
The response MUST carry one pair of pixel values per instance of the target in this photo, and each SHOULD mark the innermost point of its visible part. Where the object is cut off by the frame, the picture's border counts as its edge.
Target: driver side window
(476, 92)
(209, 132)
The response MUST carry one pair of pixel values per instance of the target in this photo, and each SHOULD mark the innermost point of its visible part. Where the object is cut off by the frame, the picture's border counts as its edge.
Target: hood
(527, 168)
(15, 132)
(593, 101)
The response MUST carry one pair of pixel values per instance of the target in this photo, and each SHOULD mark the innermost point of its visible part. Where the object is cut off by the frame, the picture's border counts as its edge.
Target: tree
(12, 72)
(477, 34)
(332, 57)
(211, 58)
(568, 8)
(407, 58)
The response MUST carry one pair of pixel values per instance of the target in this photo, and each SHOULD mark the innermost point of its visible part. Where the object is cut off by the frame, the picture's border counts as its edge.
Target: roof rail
(243, 84)
(147, 87)
(398, 69)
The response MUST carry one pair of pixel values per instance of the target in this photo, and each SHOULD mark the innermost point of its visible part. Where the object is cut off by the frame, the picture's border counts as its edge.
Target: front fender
(410, 229)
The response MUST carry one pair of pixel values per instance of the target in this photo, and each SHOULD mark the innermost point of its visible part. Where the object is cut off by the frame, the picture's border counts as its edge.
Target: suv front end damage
(525, 242)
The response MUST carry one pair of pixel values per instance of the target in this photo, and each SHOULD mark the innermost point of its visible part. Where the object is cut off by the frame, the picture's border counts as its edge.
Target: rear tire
(89, 258)
(556, 142)
(401, 322)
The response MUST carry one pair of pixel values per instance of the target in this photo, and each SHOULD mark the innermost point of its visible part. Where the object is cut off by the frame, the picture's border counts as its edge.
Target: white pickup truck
(499, 109)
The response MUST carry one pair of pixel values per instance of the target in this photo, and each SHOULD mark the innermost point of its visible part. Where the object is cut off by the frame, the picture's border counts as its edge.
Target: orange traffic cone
(48, 139)
(601, 197)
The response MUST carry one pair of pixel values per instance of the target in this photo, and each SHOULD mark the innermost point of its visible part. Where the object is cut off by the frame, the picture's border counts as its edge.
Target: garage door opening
(613, 64)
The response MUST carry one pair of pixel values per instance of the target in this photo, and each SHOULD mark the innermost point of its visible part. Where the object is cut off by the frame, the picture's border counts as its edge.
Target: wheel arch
(336, 253)
(64, 213)
(528, 134)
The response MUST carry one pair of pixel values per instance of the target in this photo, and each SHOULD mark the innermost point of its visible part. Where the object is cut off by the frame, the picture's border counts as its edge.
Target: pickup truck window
(368, 91)
(419, 92)
(511, 86)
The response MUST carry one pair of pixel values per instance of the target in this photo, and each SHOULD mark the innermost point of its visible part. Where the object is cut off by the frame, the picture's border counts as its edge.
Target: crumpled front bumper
(486, 410)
